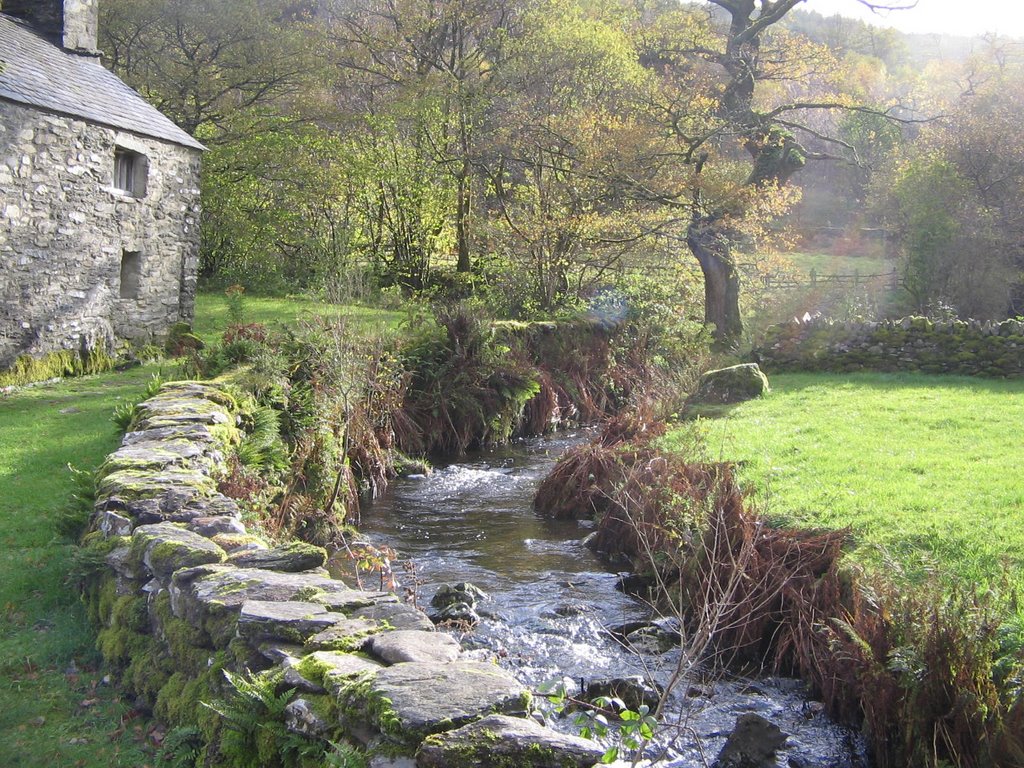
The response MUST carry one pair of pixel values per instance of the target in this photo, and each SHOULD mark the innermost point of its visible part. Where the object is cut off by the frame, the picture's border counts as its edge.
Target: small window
(130, 172)
(131, 274)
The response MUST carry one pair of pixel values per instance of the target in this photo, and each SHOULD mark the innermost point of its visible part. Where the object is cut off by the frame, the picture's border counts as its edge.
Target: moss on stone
(55, 365)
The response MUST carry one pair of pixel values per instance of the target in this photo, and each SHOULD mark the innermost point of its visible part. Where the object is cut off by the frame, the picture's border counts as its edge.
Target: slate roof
(36, 72)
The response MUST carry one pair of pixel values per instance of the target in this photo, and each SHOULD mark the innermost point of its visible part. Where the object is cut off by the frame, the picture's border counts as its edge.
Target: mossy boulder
(499, 741)
(730, 385)
(345, 635)
(164, 548)
(335, 671)
(407, 702)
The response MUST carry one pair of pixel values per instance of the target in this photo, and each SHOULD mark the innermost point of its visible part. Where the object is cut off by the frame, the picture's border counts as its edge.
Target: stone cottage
(99, 193)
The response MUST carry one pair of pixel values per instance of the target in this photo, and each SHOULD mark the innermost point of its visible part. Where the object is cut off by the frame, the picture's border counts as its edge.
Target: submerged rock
(752, 744)
(499, 740)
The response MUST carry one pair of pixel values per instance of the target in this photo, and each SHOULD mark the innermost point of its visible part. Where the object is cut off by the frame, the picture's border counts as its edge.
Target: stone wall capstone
(65, 230)
(183, 597)
(913, 344)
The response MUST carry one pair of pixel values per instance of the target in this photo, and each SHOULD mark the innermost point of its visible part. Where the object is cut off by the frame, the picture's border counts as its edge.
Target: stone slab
(414, 645)
(165, 548)
(290, 620)
(293, 557)
(397, 615)
(430, 697)
(211, 597)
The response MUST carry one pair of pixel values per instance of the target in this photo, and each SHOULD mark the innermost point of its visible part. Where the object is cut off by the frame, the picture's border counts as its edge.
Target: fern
(254, 733)
(124, 414)
(263, 447)
(181, 748)
(156, 382)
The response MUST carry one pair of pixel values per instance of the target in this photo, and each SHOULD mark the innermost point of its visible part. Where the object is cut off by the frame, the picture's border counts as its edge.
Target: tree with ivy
(745, 135)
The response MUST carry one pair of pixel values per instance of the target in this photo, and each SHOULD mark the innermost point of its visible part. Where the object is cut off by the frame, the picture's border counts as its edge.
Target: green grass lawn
(53, 712)
(922, 468)
(212, 313)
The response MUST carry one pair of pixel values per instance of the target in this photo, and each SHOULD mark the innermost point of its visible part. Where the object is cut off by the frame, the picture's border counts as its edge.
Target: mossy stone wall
(915, 344)
(253, 654)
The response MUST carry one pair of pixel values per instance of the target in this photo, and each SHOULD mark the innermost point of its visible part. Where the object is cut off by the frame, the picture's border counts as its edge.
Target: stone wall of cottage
(64, 230)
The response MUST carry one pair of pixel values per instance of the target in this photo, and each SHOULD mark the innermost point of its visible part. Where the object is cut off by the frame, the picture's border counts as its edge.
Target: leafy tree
(744, 135)
(956, 202)
(573, 161)
(428, 65)
(201, 61)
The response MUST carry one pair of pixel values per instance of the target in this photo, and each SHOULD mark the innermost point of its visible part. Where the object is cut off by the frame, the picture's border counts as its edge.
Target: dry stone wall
(911, 344)
(183, 597)
(65, 230)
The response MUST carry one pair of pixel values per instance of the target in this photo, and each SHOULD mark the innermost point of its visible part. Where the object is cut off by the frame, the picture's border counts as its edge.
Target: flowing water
(551, 602)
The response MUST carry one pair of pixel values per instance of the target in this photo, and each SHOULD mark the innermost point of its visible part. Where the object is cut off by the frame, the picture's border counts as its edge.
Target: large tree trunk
(712, 248)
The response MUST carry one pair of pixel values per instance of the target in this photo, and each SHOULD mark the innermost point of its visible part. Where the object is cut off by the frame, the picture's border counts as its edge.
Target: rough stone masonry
(99, 195)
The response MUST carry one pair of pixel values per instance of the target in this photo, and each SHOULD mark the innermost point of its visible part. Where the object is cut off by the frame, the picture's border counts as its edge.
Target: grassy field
(53, 711)
(212, 313)
(924, 469)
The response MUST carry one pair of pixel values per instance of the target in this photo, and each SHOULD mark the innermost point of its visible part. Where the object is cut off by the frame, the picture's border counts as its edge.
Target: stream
(550, 602)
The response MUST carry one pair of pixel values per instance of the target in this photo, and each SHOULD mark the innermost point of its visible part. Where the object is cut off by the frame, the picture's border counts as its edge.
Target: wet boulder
(752, 744)
(457, 602)
(656, 637)
(503, 740)
(634, 691)
(730, 385)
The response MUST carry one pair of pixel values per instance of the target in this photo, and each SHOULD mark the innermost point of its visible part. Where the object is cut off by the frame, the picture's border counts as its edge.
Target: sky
(954, 17)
